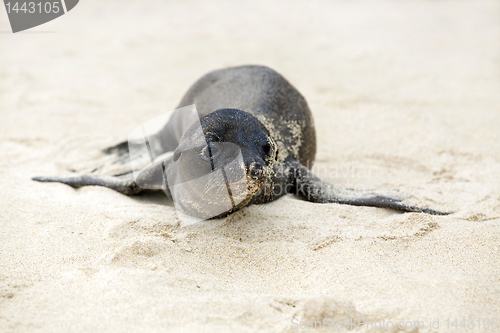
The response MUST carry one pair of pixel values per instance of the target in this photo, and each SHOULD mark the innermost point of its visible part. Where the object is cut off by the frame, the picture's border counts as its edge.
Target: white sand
(409, 90)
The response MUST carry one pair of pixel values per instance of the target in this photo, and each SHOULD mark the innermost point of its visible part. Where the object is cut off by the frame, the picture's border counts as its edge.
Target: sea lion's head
(222, 164)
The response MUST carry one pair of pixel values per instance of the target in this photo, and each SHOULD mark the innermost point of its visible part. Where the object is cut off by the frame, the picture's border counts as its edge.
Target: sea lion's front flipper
(313, 189)
(125, 186)
(151, 178)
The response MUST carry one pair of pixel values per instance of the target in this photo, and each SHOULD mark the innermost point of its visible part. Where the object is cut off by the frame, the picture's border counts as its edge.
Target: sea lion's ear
(277, 152)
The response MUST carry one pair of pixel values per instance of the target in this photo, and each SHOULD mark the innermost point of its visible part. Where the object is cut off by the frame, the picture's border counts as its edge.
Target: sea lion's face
(224, 163)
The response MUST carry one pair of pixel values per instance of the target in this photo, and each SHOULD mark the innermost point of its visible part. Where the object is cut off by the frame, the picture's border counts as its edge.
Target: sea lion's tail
(313, 189)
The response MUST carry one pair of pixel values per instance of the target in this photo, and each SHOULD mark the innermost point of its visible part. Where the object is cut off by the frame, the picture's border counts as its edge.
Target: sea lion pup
(268, 127)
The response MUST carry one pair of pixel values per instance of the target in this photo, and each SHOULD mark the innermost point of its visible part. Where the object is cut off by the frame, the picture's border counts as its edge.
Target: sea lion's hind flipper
(119, 149)
(117, 161)
(313, 189)
(125, 186)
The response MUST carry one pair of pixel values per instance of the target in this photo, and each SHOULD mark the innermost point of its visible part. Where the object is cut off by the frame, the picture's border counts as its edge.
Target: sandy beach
(405, 96)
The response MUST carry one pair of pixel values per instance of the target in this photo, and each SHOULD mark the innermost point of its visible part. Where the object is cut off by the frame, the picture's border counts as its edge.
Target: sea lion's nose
(256, 170)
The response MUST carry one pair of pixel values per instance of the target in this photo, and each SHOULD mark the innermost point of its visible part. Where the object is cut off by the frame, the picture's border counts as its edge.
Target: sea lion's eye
(266, 149)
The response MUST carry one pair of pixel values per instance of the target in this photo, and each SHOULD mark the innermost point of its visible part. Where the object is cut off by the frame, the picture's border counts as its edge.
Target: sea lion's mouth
(246, 186)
